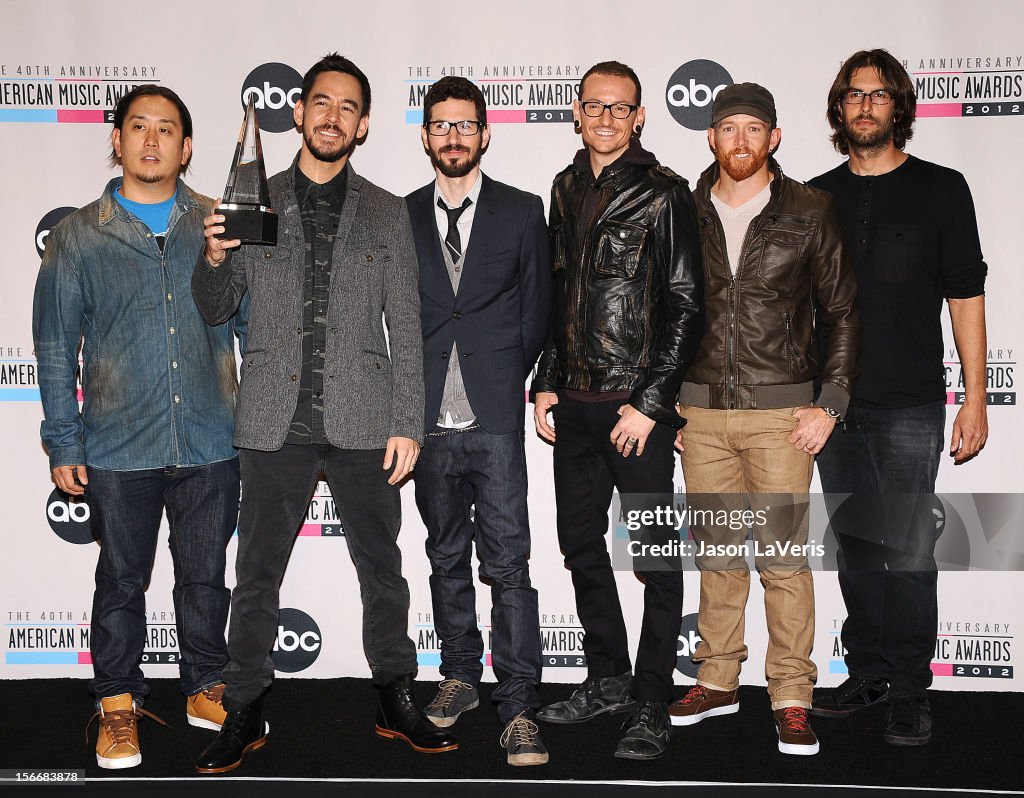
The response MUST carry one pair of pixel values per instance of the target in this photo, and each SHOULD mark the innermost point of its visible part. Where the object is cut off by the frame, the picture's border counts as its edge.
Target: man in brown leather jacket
(628, 317)
(772, 250)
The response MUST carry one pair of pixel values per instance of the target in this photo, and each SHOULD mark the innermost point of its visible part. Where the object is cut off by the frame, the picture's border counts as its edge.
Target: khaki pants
(735, 459)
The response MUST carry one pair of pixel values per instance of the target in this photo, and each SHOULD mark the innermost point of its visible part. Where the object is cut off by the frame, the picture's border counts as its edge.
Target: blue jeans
(202, 507)
(488, 473)
(888, 460)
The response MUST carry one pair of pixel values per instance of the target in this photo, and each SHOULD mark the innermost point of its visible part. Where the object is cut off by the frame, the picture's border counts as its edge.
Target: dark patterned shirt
(320, 207)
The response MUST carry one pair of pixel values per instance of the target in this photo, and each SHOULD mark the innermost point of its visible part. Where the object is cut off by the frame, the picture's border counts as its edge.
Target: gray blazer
(373, 391)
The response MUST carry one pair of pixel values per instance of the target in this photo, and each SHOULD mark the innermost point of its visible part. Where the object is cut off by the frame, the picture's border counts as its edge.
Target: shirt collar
(474, 192)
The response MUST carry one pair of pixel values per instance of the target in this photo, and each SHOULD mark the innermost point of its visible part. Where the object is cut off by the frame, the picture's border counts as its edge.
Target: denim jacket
(159, 384)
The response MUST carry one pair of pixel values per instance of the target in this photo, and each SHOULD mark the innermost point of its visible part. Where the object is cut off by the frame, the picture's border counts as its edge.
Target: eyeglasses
(440, 127)
(618, 110)
(856, 96)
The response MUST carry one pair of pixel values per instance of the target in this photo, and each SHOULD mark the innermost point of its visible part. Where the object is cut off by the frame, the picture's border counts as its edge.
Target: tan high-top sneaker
(206, 708)
(117, 745)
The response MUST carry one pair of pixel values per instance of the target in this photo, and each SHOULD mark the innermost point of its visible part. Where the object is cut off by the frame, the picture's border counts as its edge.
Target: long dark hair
(896, 80)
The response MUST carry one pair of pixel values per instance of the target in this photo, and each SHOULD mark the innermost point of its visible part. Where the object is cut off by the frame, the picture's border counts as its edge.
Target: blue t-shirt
(155, 215)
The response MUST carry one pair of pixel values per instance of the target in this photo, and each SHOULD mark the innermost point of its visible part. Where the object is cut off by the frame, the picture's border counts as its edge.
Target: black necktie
(453, 240)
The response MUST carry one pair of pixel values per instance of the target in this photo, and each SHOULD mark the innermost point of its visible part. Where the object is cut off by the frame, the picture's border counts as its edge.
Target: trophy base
(252, 224)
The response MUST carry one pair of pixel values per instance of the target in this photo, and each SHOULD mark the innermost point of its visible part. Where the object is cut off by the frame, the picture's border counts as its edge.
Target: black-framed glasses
(856, 96)
(440, 127)
(617, 110)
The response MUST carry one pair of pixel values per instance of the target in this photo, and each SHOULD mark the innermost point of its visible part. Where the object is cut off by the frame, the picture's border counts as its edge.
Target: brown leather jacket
(758, 349)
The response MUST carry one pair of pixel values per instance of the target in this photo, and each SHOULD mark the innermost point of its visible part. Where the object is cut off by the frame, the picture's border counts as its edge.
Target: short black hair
(150, 90)
(453, 87)
(616, 69)
(896, 81)
(334, 62)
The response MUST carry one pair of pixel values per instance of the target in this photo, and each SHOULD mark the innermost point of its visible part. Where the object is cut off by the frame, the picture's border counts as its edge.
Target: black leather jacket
(759, 349)
(628, 290)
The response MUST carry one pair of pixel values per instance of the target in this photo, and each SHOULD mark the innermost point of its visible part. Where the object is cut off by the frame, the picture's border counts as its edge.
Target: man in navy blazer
(485, 300)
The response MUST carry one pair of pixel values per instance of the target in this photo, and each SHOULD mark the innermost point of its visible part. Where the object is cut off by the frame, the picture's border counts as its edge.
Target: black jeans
(276, 489)
(202, 506)
(485, 472)
(587, 469)
(887, 459)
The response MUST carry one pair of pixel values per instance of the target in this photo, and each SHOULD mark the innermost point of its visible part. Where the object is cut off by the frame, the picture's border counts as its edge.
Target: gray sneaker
(521, 741)
(592, 698)
(453, 698)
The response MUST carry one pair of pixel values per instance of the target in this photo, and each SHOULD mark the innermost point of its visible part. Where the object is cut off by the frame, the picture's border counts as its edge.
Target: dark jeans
(471, 487)
(888, 460)
(276, 489)
(587, 468)
(202, 507)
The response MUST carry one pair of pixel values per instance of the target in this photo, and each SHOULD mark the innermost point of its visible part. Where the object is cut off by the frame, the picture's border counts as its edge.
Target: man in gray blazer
(322, 391)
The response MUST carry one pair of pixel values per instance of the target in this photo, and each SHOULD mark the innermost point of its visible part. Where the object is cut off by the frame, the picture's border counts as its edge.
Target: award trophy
(246, 201)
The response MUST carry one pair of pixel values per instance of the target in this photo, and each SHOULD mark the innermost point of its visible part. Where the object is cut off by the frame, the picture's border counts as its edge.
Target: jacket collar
(708, 178)
(353, 181)
(184, 201)
(634, 156)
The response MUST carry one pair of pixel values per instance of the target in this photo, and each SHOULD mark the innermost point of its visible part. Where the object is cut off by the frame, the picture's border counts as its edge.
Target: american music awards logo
(523, 93)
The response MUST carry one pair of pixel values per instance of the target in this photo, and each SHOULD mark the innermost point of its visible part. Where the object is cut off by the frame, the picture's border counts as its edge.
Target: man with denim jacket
(772, 250)
(323, 392)
(628, 316)
(154, 431)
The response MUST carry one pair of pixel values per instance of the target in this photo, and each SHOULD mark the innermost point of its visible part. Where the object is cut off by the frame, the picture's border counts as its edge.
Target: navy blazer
(499, 317)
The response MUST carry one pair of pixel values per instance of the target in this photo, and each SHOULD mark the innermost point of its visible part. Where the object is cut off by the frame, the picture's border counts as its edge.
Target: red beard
(742, 168)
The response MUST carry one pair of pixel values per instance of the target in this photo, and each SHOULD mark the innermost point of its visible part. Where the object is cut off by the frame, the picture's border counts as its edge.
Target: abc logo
(71, 520)
(298, 641)
(691, 91)
(47, 223)
(689, 639)
(276, 88)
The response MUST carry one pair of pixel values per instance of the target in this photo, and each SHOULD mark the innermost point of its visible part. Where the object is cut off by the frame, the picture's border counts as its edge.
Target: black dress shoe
(399, 718)
(592, 698)
(647, 732)
(242, 731)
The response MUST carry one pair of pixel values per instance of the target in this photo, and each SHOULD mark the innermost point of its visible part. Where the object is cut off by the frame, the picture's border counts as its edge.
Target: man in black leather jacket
(628, 318)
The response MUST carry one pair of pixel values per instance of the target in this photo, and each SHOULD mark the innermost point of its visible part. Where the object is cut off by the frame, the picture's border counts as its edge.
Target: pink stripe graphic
(311, 530)
(940, 109)
(487, 660)
(67, 115)
(506, 116)
(84, 658)
(942, 668)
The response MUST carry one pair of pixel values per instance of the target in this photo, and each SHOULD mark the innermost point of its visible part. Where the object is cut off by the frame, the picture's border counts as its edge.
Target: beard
(451, 168)
(344, 148)
(871, 139)
(741, 169)
(149, 177)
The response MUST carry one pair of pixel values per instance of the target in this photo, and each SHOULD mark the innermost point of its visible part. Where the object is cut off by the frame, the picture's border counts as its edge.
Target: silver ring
(632, 441)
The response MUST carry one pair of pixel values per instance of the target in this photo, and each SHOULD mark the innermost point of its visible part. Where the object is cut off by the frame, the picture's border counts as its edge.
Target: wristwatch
(831, 413)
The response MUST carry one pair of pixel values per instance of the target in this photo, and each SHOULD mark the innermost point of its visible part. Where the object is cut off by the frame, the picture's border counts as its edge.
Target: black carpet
(323, 729)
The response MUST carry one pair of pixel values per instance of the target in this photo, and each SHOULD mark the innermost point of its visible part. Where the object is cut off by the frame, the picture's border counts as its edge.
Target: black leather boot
(399, 718)
(243, 731)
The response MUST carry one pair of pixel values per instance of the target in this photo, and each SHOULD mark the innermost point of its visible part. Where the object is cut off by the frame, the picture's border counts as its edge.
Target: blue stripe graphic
(28, 115)
(42, 657)
(19, 394)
